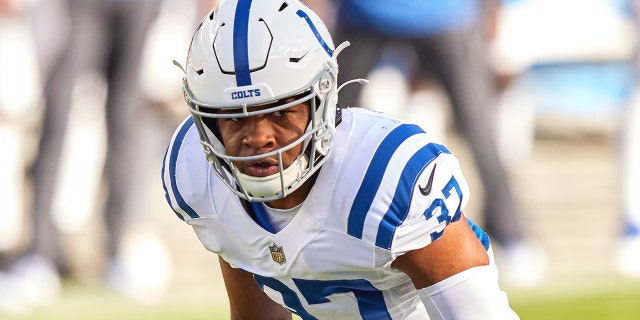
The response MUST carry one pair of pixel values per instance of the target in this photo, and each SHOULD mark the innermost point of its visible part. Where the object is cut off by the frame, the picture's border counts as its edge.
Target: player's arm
(246, 300)
(454, 277)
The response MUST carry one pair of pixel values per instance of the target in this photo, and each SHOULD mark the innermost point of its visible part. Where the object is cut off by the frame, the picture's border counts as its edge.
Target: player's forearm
(471, 294)
(246, 300)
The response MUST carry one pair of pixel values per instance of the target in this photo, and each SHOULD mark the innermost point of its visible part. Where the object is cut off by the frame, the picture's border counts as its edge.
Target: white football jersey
(386, 189)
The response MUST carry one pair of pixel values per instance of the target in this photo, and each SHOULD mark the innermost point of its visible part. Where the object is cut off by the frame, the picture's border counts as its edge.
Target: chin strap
(264, 187)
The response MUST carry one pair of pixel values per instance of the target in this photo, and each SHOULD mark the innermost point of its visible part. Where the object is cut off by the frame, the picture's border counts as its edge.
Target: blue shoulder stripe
(241, 43)
(164, 185)
(175, 149)
(399, 208)
(373, 176)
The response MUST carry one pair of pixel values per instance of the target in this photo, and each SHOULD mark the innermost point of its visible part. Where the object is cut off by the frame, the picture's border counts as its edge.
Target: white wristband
(471, 294)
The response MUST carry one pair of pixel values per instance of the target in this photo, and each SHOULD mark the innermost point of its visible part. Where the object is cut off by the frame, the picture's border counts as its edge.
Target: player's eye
(280, 113)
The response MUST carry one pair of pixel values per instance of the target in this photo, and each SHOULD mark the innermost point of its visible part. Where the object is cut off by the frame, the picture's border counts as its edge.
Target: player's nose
(259, 133)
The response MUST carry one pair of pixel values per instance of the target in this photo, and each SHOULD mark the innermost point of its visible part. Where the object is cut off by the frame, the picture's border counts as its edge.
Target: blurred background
(89, 98)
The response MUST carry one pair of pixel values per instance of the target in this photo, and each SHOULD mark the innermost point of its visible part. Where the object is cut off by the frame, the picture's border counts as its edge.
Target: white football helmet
(251, 53)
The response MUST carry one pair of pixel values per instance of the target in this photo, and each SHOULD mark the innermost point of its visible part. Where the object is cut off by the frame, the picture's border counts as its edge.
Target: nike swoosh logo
(425, 191)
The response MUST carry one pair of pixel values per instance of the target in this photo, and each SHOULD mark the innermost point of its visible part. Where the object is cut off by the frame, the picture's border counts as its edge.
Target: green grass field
(585, 299)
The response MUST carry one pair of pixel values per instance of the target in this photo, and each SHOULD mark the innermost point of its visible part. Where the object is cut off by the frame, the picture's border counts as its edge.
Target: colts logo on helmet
(277, 254)
(245, 94)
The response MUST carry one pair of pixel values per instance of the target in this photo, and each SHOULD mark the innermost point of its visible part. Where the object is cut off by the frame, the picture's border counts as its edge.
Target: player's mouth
(262, 168)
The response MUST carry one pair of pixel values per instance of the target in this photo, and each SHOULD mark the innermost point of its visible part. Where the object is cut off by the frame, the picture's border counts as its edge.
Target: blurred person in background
(627, 260)
(449, 42)
(96, 63)
(19, 117)
(581, 70)
(18, 102)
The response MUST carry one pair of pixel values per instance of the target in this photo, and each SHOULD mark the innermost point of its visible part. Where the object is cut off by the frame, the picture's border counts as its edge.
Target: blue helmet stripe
(241, 43)
(326, 47)
(373, 177)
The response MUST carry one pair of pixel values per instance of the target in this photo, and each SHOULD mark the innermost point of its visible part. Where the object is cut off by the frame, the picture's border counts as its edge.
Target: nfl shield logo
(276, 253)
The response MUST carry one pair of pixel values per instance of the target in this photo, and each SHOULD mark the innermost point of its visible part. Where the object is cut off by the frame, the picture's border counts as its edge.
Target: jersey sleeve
(438, 197)
(428, 193)
(411, 187)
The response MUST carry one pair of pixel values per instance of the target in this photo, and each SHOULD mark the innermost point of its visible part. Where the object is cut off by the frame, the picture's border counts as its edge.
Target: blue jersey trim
(164, 186)
(631, 230)
(261, 216)
(241, 43)
(373, 176)
(370, 299)
(399, 208)
(480, 234)
(175, 150)
(323, 43)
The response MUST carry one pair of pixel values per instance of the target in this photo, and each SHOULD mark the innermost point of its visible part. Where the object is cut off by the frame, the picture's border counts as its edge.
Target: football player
(316, 210)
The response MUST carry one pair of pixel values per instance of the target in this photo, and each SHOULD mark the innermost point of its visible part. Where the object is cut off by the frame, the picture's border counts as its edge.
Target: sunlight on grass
(588, 298)
(97, 302)
(605, 297)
